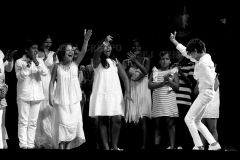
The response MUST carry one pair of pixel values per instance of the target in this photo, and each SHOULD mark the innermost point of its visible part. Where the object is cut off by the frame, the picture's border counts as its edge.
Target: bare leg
(144, 132)
(171, 131)
(157, 130)
(68, 145)
(62, 145)
(116, 126)
(103, 121)
(212, 126)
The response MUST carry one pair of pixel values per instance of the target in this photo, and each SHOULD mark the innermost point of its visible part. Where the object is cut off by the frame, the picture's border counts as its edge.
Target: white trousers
(194, 117)
(27, 122)
(1, 138)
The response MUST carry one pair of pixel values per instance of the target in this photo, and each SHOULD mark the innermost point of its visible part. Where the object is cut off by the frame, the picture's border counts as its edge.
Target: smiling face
(107, 50)
(32, 51)
(47, 44)
(69, 53)
(136, 48)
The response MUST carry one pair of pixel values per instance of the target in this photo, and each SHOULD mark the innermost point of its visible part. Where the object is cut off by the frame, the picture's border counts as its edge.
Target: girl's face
(136, 48)
(165, 61)
(69, 53)
(107, 50)
(32, 51)
(47, 44)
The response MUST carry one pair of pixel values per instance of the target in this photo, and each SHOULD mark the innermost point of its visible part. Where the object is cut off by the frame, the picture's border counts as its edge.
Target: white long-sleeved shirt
(204, 71)
(29, 85)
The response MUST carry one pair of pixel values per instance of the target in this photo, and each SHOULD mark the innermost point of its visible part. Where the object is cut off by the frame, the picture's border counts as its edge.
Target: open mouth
(70, 55)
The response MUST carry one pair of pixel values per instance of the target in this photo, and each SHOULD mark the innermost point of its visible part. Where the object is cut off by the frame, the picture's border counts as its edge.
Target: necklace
(66, 67)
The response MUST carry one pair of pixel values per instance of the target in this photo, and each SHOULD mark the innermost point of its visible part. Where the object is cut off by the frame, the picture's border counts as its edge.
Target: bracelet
(86, 39)
(105, 43)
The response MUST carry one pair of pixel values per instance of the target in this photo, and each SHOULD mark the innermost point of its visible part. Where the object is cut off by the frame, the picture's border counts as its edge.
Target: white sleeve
(182, 49)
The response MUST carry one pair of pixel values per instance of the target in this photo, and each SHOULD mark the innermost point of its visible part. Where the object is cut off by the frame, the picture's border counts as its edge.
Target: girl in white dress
(6, 64)
(137, 68)
(107, 99)
(67, 130)
(43, 132)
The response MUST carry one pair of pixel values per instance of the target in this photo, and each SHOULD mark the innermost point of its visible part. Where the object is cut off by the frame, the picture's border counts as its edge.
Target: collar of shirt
(25, 58)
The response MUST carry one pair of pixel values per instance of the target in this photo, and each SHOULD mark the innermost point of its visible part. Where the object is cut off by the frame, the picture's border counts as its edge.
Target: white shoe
(214, 148)
(197, 148)
(179, 147)
(169, 147)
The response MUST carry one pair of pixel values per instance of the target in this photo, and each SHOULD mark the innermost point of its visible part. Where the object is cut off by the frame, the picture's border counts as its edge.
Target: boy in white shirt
(28, 70)
(204, 73)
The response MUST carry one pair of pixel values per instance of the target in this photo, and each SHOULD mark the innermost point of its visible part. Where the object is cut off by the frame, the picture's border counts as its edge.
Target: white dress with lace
(68, 125)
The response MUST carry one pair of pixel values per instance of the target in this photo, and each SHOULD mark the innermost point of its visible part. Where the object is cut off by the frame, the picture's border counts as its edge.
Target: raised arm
(52, 82)
(9, 61)
(180, 47)
(81, 54)
(99, 50)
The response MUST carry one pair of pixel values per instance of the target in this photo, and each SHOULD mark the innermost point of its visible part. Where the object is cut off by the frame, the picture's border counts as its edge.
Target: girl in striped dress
(164, 100)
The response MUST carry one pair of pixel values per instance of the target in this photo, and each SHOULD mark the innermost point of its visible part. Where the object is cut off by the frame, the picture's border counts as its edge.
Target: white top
(29, 85)
(68, 91)
(204, 71)
(8, 66)
(49, 63)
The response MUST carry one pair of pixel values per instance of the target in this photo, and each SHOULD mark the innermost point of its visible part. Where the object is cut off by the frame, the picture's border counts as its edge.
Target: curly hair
(62, 50)
(197, 44)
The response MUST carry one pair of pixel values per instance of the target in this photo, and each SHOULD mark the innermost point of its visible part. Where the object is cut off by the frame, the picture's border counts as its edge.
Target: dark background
(152, 24)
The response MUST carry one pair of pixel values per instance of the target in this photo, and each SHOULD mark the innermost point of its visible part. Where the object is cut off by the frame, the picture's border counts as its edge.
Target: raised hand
(131, 56)
(108, 38)
(173, 36)
(10, 57)
(34, 59)
(29, 63)
(87, 34)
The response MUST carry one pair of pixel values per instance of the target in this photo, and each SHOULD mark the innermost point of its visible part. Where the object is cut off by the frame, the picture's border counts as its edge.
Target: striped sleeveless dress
(164, 101)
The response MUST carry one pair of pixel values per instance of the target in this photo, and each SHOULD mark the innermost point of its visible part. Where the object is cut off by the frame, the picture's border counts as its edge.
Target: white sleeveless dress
(107, 97)
(141, 95)
(68, 125)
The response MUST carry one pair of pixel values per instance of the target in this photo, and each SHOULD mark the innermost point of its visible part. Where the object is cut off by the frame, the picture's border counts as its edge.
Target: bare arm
(96, 56)
(145, 70)
(175, 83)
(155, 85)
(82, 53)
(124, 77)
(51, 84)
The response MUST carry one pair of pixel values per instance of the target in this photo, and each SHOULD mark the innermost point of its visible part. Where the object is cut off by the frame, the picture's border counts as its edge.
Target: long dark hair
(103, 57)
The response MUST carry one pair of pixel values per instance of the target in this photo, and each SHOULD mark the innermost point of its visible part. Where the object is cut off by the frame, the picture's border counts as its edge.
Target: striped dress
(164, 101)
(184, 93)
